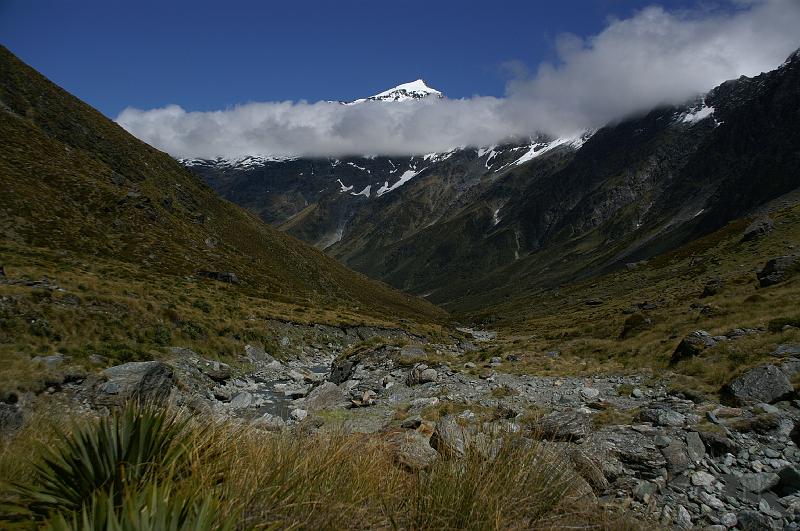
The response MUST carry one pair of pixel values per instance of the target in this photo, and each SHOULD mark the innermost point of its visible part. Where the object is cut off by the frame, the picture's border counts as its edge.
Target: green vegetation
(103, 239)
(613, 337)
(146, 469)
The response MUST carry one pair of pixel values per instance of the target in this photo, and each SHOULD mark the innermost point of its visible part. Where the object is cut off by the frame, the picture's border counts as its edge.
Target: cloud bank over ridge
(655, 57)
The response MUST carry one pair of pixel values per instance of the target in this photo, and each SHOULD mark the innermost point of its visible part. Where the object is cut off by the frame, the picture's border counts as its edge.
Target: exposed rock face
(412, 450)
(692, 345)
(147, 381)
(778, 269)
(765, 383)
(449, 438)
(758, 228)
(325, 396)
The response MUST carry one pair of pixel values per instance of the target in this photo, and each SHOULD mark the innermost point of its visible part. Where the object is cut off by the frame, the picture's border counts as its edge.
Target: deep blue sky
(210, 55)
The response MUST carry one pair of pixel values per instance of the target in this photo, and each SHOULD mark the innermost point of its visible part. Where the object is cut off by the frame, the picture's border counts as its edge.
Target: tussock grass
(148, 469)
(614, 337)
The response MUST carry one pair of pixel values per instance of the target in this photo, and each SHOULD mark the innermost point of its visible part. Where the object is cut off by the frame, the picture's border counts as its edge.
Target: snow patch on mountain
(537, 149)
(366, 192)
(415, 90)
(697, 115)
(407, 176)
(344, 188)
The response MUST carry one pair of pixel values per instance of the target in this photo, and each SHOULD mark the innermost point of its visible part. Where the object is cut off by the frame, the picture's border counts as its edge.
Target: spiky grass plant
(104, 459)
(154, 507)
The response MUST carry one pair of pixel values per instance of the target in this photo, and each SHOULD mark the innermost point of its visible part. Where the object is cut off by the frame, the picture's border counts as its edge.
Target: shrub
(105, 459)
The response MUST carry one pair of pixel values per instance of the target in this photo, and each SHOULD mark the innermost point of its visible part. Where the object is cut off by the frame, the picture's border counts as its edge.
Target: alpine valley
(594, 331)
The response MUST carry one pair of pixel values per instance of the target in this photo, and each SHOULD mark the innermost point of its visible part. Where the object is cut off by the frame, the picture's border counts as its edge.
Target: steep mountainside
(75, 182)
(475, 226)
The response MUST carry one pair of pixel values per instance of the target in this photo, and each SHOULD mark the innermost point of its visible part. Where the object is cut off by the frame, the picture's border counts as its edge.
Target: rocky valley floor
(634, 441)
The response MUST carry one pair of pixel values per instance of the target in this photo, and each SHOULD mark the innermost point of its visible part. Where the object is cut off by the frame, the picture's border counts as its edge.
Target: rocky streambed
(670, 457)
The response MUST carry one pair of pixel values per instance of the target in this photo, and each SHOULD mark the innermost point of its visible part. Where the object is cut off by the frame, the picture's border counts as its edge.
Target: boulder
(766, 383)
(759, 481)
(146, 381)
(660, 415)
(420, 374)
(564, 425)
(712, 287)
(49, 362)
(778, 269)
(254, 353)
(412, 450)
(325, 396)
(676, 456)
(789, 483)
(783, 351)
(10, 418)
(216, 370)
(449, 438)
(692, 345)
(269, 422)
(758, 228)
(242, 401)
(695, 447)
(749, 520)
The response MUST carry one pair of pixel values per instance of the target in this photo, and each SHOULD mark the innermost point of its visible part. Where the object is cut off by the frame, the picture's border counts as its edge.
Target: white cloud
(654, 57)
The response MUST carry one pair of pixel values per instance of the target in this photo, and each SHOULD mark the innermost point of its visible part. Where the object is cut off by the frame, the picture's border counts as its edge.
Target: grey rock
(325, 396)
(644, 490)
(711, 500)
(242, 400)
(718, 444)
(146, 381)
(449, 438)
(683, 519)
(749, 520)
(589, 393)
(692, 345)
(428, 375)
(254, 353)
(782, 351)
(789, 482)
(49, 362)
(701, 479)
(662, 441)
(637, 393)
(695, 447)
(412, 450)
(269, 422)
(676, 457)
(660, 415)
(778, 269)
(216, 370)
(765, 383)
(412, 423)
(759, 481)
(298, 414)
(712, 287)
(728, 520)
(758, 228)
(564, 425)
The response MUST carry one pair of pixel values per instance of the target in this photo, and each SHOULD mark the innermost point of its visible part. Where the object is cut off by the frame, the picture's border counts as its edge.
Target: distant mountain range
(475, 225)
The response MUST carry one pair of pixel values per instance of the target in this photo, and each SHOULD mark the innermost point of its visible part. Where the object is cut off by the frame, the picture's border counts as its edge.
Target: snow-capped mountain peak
(415, 90)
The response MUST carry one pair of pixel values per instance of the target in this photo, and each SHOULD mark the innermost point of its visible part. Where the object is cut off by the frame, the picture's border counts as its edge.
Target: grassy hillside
(121, 231)
(633, 319)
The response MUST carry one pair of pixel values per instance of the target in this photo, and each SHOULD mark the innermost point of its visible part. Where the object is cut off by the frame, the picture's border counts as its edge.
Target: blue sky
(212, 55)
